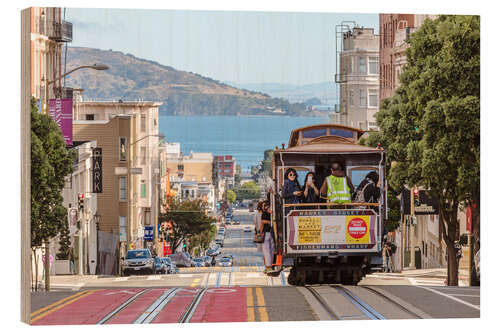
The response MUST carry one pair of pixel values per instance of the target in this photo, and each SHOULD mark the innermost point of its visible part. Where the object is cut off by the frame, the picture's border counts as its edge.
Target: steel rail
(378, 293)
(367, 310)
(120, 308)
(323, 303)
(154, 309)
(186, 316)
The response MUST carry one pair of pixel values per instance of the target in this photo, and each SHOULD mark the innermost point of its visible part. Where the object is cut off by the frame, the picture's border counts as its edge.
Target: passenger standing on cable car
(337, 187)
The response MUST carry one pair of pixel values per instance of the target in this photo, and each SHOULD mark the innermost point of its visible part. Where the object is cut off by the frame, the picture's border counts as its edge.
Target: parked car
(215, 251)
(160, 267)
(236, 222)
(247, 228)
(169, 264)
(198, 262)
(181, 259)
(219, 241)
(207, 260)
(138, 261)
(225, 262)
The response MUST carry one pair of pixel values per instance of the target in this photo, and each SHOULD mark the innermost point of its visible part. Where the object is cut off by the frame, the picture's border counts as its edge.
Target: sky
(230, 46)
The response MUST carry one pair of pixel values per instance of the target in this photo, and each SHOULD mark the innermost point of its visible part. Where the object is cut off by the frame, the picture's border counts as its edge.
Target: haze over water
(244, 137)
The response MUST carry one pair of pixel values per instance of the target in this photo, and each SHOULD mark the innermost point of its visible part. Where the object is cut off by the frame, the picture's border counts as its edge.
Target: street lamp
(97, 219)
(97, 67)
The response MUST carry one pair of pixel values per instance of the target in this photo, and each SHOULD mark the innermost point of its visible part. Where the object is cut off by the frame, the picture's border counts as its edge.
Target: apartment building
(358, 79)
(195, 167)
(49, 34)
(133, 168)
(395, 32)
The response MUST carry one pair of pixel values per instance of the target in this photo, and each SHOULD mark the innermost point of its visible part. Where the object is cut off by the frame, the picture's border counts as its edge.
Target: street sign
(148, 233)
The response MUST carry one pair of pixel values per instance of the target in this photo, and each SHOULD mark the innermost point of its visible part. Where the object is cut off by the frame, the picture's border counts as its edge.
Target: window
(341, 132)
(362, 65)
(143, 123)
(122, 183)
(314, 133)
(143, 190)
(351, 97)
(373, 98)
(143, 154)
(123, 228)
(123, 149)
(362, 98)
(89, 117)
(373, 65)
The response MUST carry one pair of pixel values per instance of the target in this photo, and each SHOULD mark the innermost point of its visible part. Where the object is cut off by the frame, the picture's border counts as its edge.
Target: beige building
(358, 79)
(128, 134)
(196, 167)
(49, 33)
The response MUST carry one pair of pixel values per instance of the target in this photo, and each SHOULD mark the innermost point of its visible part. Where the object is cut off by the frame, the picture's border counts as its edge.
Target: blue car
(160, 267)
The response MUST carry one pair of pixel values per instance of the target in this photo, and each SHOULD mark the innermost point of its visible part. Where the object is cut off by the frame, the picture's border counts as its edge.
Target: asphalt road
(243, 293)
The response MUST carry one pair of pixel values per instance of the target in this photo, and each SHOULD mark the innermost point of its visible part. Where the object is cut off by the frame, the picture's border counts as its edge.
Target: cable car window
(314, 133)
(341, 132)
(358, 174)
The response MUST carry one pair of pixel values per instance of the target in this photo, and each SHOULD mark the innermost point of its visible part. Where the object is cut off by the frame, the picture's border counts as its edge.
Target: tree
(267, 162)
(249, 190)
(51, 161)
(188, 218)
(231, 196)
(431, 125)
(64, 242)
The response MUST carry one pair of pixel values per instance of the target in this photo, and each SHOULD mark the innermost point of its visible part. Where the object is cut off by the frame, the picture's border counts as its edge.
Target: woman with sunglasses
(311, 192)
(291, 191)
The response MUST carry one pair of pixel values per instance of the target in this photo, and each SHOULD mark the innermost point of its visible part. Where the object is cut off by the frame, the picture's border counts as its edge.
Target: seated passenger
(337, 187)
(311, 192)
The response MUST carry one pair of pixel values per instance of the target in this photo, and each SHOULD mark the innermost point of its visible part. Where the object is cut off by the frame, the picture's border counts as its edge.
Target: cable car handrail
(373, 204)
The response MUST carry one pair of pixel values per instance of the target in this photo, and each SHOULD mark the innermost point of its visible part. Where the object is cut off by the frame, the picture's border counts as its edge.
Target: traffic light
(80, 201)
(416, 197)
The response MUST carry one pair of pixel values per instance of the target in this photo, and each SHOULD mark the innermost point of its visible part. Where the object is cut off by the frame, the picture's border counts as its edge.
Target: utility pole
(412, 229)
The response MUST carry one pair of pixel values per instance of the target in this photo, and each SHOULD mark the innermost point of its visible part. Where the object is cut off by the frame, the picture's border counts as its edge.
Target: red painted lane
(172, 313)
(136, 308)
(222, 305)
(89, 309)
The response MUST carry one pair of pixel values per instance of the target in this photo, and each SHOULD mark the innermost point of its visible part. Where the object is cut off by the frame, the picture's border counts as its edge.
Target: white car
(247, 228)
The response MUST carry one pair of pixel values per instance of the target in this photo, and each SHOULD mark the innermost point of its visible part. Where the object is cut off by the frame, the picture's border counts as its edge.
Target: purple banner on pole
(61, 110)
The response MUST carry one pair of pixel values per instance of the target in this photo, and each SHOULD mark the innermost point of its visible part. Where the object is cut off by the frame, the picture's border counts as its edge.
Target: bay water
(244, 137)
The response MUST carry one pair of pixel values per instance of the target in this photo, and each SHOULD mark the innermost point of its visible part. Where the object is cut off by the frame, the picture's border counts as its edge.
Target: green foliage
(64, 242)
(202, 240)
(188, 219)
(431, 127)
(231, 196)
(267, 162)
(50, 163)
(249, 190)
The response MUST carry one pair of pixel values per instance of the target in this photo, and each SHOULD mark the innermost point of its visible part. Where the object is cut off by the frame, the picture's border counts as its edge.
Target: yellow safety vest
(338, 191)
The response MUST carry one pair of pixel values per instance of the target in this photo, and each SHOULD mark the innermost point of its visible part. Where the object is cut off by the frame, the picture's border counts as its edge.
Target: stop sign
(357, 228)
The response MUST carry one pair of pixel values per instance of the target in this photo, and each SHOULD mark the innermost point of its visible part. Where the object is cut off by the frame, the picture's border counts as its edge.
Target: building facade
(358, 79)
(82, 222)
(49, 34)
(395, 31)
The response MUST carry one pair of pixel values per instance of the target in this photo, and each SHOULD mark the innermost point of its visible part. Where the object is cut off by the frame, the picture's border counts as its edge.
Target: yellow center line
(61, 306)
(250, 304)
(195, 282)
(58, 302)
(261, 303)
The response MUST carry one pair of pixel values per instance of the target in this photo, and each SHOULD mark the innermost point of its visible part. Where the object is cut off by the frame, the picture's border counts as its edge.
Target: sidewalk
(436, 274)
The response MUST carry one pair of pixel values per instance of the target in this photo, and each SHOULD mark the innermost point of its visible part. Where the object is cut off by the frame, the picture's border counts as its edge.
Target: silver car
(138, 261)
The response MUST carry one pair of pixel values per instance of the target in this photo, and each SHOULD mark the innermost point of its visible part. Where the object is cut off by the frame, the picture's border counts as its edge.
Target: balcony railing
(340, 78)
(60, 31)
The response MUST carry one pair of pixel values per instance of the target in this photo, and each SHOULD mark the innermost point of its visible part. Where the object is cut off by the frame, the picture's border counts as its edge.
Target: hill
(182, 93)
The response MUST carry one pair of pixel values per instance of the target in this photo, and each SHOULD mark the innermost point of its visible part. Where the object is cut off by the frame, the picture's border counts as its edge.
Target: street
(243, 293)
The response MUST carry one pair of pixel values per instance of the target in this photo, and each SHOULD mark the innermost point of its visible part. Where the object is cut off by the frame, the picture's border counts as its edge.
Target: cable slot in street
(323, 303)
(154, 309)
(121, 307)
(186, 317)
(367, 310)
